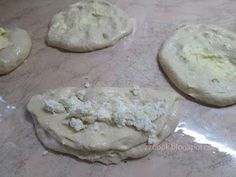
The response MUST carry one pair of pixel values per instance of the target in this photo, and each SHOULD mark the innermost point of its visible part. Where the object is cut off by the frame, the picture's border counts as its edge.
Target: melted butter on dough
(216, 61)
(15, 46)
(201, 61)
(4, 41)
(107, 125)
(87, 26)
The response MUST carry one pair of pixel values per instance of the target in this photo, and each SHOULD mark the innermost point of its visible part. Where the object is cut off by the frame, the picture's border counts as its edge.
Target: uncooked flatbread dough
(15, 46)
(104, 124)
(87, 26)
(201, 61)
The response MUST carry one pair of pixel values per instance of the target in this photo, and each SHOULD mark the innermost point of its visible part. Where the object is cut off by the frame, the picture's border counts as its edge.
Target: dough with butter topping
(106, 125)
(201, 61)
(15, 46)
(87, 26)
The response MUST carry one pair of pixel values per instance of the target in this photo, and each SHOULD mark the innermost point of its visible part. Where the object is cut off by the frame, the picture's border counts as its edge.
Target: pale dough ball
(106, 125)
(201, 61)
(87, 26)
(15, 46)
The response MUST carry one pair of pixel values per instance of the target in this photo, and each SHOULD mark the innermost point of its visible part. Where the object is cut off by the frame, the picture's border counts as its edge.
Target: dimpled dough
(201, 61)
(87, 26)
(104, 124)
(15, 46)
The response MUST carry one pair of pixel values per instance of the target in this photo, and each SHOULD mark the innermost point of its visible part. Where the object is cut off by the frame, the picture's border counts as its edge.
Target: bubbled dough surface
(87, 26)
(201, 61)
(111, 144)
(11, 57)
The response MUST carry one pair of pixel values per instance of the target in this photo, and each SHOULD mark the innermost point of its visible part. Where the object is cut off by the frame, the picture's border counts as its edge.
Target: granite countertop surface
(203, 144)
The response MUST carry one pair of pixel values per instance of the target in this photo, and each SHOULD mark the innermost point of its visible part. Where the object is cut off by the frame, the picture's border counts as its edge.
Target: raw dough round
(104, 124)
(15, 46)
(87, 26)
(201, 61)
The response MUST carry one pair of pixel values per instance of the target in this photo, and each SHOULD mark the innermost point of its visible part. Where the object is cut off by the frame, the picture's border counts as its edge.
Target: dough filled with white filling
(106, 125)
(201, 61)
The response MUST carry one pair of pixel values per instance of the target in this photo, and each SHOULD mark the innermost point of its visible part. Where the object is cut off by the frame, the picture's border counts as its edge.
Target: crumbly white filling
(76, 124)
(81, 109)
(117, 111)
(71, 101)
(53, 106)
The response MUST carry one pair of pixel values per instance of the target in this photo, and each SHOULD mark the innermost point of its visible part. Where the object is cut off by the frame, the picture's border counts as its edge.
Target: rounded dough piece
(87, 26)
(102, 140)
(201, 61)
(12, 55)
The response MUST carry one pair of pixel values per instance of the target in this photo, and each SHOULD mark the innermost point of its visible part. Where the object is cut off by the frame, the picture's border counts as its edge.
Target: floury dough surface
(87, 26)
(15, 46)
(104, 124)
(201, 61)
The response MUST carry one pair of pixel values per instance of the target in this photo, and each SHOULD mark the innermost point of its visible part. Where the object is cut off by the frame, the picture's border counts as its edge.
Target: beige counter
(131, 61)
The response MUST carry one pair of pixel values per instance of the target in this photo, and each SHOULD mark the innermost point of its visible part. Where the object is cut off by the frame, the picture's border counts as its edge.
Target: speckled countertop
(204, 142)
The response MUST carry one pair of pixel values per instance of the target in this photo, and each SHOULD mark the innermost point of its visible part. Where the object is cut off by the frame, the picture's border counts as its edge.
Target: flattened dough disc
(201, 61)
(87, 26)
(15, 46)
